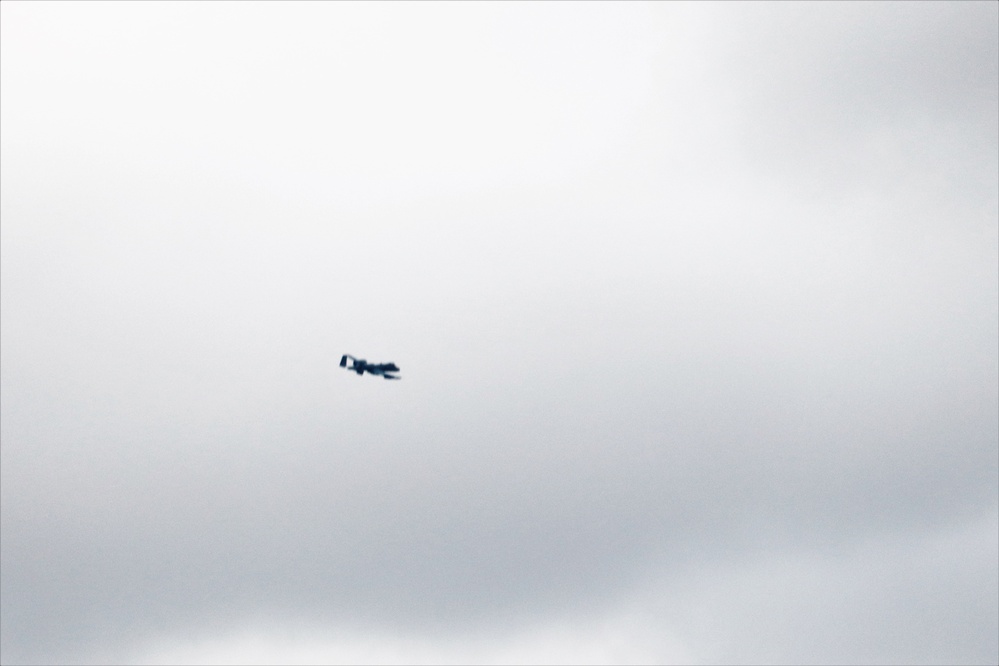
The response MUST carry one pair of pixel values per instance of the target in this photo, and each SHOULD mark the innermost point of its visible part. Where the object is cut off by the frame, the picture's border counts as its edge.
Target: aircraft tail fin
(343, 361)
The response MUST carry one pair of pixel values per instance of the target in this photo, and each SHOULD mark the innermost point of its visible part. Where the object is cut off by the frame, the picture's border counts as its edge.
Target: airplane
(361, 366)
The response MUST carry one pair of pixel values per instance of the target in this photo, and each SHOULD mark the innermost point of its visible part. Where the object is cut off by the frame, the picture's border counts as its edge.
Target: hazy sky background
(695, 305)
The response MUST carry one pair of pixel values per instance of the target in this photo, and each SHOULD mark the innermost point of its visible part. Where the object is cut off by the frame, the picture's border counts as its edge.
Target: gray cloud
(728, 380)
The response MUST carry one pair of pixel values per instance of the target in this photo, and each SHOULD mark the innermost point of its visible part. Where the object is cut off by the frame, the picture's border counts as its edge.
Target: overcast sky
(695, 305)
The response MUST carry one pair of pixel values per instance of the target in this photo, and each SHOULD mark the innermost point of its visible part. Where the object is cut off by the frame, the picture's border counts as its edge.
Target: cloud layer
(696, 310)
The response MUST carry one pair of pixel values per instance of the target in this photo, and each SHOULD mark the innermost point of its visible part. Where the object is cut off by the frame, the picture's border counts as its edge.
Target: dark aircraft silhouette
(361, 366)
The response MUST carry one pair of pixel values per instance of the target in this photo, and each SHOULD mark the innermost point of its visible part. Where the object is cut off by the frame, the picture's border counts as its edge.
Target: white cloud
(619, 637)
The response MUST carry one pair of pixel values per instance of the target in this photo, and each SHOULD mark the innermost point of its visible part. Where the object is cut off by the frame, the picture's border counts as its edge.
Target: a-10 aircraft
(360, 366)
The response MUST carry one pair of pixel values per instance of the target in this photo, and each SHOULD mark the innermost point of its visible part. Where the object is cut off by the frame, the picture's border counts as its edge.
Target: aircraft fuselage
(360, 366)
